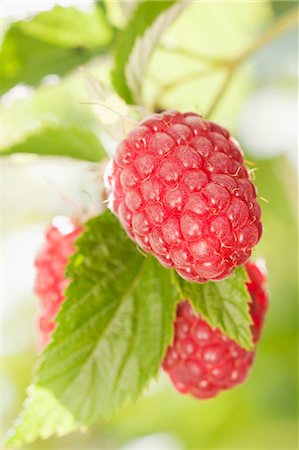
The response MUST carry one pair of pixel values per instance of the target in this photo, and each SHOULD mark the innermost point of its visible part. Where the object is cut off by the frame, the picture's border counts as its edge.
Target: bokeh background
(260, 106)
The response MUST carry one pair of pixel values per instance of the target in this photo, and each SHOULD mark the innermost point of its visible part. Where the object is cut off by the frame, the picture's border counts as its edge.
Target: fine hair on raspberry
(180, 188)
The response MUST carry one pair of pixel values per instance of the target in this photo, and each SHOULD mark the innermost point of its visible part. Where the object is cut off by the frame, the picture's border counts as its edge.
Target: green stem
(184, 79)
(220, 92)
(166, 88)
(279, 26)
(231, 65)
(213, 60)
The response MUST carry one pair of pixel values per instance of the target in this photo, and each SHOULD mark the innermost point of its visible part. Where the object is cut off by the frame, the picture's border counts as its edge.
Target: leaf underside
(142, 19)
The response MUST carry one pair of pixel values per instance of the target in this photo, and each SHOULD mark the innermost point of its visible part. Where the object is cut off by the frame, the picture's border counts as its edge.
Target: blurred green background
(260, 107)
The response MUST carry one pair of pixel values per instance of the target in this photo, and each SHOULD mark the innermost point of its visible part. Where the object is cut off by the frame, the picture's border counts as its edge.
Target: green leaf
(224, 304)
(55, 140)
(136, 44)
(53, 42)
(113, 329)
(182, 83)
(42, 414)
(280, 8)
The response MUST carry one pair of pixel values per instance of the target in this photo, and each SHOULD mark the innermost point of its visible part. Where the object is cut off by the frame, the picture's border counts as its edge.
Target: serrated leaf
(52, 42)
(136, 44)
(54, 140)
(113, 329)
(224, 304)
(144, 47)
(42, 414)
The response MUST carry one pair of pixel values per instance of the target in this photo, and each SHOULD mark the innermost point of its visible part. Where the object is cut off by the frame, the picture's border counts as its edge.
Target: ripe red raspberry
(204, 362)
(50, 282)
(180, 189)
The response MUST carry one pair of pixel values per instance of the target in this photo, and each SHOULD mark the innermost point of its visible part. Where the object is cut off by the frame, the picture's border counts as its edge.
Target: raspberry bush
(159, 277)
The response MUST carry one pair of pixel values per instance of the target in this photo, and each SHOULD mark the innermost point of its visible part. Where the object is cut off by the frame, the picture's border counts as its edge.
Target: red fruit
(50, 282)
(181, 191)
(203, 362)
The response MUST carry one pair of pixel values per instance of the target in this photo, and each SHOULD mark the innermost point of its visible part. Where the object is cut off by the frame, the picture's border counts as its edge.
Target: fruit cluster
(179, 186)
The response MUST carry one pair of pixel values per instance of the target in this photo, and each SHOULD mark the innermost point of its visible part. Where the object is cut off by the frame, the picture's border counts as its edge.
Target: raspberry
(50, 263)
(181, 191)
(204, 362)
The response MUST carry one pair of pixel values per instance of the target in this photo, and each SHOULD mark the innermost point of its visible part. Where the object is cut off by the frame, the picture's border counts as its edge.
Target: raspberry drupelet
(50, 282)
(203, 362)
(179, 186)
